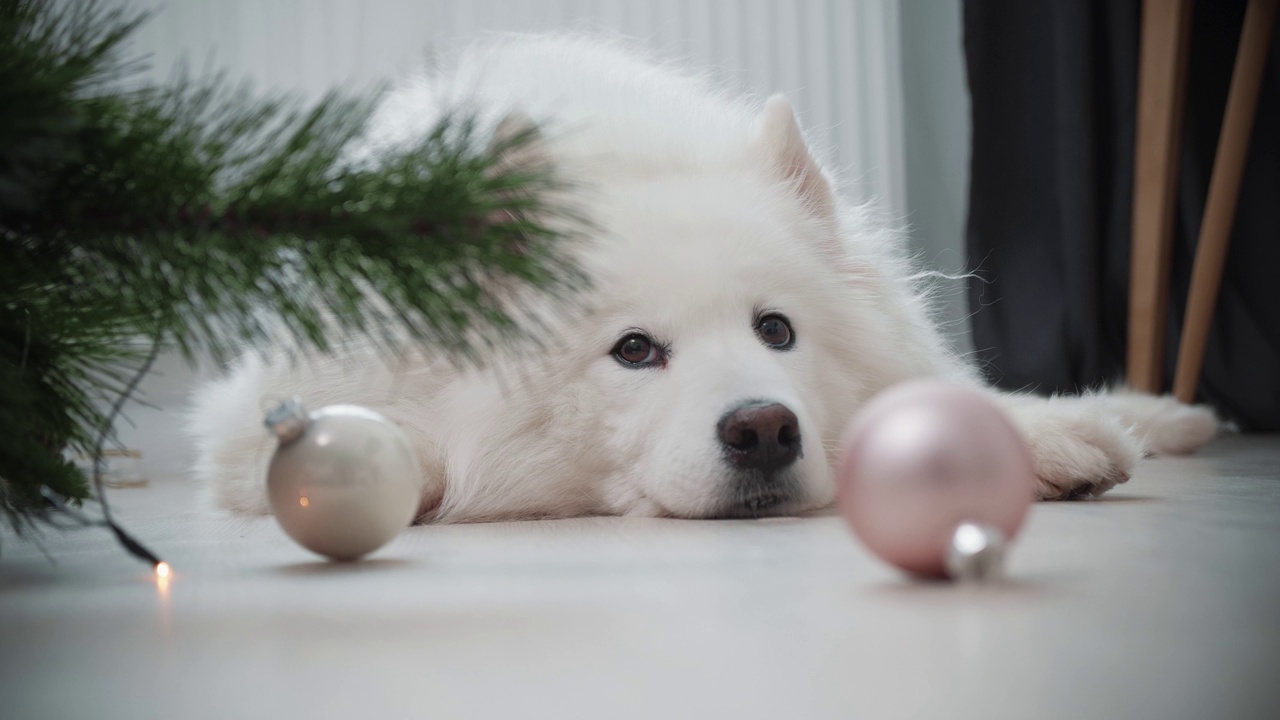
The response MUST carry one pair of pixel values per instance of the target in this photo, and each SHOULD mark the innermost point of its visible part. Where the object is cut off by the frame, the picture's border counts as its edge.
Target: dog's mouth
(758, 507)
(763, 497)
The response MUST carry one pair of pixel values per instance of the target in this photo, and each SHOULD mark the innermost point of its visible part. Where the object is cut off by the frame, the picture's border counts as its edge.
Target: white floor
(1160, 601)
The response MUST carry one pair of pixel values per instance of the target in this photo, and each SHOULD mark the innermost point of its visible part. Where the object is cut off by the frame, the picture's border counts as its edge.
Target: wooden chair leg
(1161, 83)
(1224, 191)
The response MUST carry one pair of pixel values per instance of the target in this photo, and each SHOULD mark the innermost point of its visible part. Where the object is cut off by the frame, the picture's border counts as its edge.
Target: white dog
(741, 314)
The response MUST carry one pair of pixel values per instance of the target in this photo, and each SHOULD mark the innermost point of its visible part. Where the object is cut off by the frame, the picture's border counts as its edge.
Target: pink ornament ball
(922, 459)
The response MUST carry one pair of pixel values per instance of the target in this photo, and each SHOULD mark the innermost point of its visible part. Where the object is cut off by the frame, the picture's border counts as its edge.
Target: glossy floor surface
(1160, 601)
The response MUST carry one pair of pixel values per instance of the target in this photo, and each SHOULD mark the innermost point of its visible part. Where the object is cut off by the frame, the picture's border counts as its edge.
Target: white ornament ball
(343, 481)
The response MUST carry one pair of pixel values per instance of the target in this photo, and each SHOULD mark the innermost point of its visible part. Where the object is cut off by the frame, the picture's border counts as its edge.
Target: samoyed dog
(740, 313)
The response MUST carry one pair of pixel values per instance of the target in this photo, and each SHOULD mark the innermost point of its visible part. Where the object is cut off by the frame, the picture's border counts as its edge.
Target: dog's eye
(636, 350)
(775, 331)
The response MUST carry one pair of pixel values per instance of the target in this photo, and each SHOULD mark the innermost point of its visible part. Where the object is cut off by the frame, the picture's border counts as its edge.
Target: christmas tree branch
(215, 221)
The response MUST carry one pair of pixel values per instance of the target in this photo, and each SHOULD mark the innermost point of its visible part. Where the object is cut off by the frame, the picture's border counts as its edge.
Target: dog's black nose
(760, 436)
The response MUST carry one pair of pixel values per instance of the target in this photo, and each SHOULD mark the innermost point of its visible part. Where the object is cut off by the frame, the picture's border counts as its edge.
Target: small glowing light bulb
(303, 502)
(162, 569)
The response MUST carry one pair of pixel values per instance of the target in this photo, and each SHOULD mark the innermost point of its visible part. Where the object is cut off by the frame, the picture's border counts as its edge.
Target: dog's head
(713, 361)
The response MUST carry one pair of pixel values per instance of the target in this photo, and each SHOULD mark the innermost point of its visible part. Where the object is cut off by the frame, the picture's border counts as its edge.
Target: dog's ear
(517, 146)
(778, 135)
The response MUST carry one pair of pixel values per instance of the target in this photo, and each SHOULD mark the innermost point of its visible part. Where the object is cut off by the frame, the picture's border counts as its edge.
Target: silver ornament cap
(287, 420)
(976, 553)
(344, 480)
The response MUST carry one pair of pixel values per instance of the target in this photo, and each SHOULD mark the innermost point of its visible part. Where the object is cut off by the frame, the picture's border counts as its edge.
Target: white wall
(936, 131)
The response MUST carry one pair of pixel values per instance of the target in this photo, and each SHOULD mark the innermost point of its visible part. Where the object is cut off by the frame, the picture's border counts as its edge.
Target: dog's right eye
(636, 350)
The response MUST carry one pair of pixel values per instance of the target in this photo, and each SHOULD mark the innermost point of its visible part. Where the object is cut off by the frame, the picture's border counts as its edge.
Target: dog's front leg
(1083, 446)
(1079, 449)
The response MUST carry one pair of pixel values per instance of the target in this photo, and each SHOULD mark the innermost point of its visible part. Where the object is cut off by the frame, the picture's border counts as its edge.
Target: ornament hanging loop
(287, 420)
(976, 553)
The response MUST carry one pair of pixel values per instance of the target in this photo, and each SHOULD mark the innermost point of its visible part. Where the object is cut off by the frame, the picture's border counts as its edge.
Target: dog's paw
(1162, 425)
(1079, 450)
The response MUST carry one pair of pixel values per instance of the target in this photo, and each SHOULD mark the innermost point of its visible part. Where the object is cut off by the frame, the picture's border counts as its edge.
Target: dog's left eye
(775, 331)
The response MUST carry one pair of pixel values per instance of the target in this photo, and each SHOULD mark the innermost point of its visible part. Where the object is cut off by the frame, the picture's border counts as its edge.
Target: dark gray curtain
(1054, 88)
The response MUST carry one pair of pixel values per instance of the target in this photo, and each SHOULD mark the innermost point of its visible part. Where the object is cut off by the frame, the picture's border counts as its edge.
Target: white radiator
(838, 60)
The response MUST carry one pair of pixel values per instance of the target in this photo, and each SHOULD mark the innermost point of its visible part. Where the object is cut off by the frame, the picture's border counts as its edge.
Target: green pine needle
(200, 217)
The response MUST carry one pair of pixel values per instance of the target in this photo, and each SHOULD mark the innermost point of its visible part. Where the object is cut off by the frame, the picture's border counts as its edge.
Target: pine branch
(214, 220)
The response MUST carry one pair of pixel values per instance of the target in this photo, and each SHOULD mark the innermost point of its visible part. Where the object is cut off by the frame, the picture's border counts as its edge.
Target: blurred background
(879, 85)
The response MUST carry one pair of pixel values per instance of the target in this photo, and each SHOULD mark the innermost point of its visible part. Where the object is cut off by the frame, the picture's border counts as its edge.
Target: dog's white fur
(709, 209)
